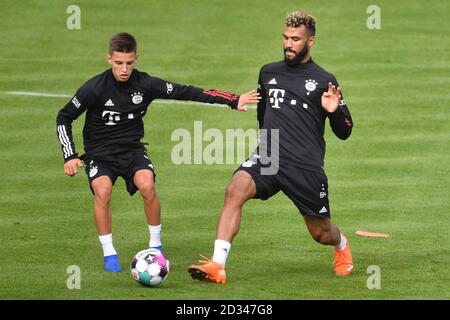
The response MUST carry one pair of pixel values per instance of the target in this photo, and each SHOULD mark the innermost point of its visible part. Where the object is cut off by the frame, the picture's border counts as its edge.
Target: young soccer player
(115, 103)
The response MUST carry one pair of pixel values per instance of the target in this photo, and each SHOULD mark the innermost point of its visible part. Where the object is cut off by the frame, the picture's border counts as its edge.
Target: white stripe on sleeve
(64, 139)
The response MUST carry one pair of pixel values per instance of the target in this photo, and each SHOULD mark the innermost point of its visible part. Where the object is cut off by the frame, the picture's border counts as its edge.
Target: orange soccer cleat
(343, 263)
(210, 271)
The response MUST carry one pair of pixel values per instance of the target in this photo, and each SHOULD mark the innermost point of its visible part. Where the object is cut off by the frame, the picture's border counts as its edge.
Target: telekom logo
(274, 97)
(112, 118)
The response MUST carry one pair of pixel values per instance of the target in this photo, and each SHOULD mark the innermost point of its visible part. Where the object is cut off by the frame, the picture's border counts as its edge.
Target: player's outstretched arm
(162, 89)
(251, 97)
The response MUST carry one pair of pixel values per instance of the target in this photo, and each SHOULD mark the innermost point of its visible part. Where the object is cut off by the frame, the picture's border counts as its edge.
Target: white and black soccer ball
(150, 267)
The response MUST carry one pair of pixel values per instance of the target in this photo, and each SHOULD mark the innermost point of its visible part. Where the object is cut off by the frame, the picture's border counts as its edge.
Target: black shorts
(122, 165)
(307, 189)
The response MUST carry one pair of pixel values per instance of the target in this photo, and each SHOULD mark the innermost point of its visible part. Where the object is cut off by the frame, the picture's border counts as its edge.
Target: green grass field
(391, 176)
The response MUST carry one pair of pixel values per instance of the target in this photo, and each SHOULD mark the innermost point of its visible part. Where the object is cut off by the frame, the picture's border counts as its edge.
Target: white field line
(37, 94)
(158, 101)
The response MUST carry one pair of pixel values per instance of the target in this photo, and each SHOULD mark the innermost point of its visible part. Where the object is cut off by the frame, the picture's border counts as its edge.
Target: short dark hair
(296, 19)
(122, 42)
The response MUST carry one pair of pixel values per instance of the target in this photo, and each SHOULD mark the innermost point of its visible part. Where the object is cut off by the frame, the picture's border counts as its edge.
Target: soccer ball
(150, 267)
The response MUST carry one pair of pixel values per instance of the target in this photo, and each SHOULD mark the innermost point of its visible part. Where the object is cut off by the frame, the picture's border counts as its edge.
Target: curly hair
(296, 19)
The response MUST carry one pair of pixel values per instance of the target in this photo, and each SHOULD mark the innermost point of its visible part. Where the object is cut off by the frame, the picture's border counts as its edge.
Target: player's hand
(331, 98)
(250, 97)
(71, 166)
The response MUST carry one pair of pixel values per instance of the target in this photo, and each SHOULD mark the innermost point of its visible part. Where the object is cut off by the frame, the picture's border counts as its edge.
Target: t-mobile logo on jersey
(113, 117)
(274, 99)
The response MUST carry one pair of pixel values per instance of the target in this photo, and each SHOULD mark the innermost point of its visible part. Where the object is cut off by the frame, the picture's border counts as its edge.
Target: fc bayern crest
(311, 84)
(93, 171)
(137, 97)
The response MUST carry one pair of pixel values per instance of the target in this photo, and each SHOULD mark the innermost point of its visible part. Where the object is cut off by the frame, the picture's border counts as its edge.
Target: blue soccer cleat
(112, 264)
(158, 248)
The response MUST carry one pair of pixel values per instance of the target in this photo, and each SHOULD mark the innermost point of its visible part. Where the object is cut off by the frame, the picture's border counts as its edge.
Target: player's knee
(320, 236)
(240, 189)
(102, 193)
(234, 194)
(147, 189)
(316, 236)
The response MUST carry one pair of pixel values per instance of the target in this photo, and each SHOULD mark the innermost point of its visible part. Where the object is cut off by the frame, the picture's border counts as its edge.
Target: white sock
(342, 244)
(107, 245)
(155, 235)
(221, 251)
